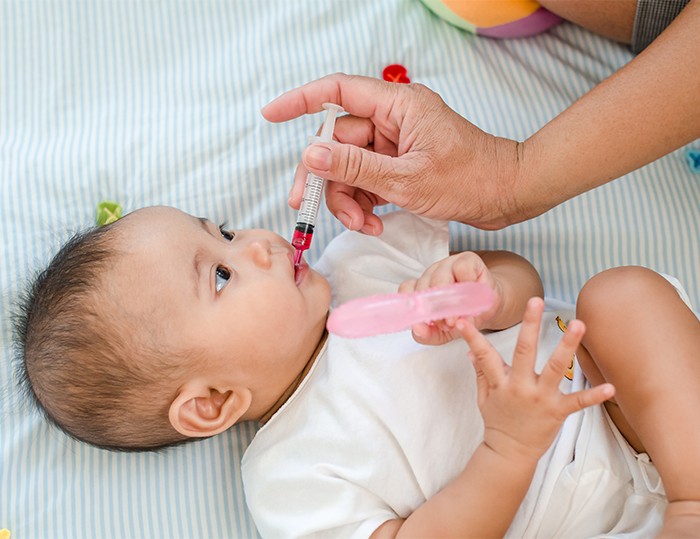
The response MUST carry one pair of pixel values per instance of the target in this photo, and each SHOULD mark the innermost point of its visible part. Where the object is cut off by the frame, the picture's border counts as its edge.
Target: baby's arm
(513, 279)
(523, 412)
(517, 281)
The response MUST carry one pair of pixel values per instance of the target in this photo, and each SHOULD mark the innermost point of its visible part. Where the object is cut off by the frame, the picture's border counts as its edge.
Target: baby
(163, 327)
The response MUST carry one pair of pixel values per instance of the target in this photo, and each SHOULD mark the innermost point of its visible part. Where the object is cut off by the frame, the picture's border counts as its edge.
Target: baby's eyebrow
(204, 223)
(197, 260)
(196, 273)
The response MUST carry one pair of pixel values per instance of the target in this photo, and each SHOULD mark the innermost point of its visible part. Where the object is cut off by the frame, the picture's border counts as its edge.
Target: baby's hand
(459, 268)
(523, 411)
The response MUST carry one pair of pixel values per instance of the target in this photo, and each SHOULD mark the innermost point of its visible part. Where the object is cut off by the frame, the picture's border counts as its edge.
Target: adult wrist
(490, 203)
(532, 195)
(514, 173)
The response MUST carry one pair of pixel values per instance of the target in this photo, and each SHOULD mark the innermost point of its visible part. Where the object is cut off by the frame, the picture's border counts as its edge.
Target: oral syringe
(313, 191)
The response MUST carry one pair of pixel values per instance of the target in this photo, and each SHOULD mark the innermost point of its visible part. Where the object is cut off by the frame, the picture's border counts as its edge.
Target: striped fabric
(158, 103)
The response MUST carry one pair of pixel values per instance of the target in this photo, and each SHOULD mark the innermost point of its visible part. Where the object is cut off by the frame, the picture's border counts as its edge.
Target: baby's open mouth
(300, 272)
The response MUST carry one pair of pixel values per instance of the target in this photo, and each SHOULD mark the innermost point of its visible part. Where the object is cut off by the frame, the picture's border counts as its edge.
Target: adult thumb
(352, 165)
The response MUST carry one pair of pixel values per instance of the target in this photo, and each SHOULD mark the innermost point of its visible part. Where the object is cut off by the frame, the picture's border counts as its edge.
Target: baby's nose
(260, 253)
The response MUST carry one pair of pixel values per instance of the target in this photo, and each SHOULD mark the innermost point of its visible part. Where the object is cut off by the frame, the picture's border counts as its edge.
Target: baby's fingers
(563, 354)
(526, 346)
(430, 334)
(587, 397)
(487, 361)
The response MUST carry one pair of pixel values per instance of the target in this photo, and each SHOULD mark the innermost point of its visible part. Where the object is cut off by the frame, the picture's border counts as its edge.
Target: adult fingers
(349, 130)
(359, 167)
(367, 201)
(526, 346)
(296, 193)
(360, 96)
(341, 202)
(384, 104)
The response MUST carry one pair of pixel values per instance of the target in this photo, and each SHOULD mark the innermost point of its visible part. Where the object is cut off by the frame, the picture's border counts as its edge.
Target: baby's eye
(222, 277)
(227, 234)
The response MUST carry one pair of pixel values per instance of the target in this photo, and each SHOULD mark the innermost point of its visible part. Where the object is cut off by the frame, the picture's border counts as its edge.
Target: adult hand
(402, 144)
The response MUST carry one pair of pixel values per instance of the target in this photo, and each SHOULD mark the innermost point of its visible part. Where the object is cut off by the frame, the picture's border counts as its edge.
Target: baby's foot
(682, 520)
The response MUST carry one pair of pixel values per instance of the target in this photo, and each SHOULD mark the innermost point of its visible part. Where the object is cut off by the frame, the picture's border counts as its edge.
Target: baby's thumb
(352, 165)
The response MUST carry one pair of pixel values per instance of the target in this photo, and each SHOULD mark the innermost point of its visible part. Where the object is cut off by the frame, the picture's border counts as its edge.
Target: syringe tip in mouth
(297, 257)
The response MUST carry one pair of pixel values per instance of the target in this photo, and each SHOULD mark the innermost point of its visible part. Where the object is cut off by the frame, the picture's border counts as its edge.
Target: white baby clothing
(381, 424)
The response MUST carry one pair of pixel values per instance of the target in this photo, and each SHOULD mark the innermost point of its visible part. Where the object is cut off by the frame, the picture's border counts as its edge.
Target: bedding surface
(158, 102)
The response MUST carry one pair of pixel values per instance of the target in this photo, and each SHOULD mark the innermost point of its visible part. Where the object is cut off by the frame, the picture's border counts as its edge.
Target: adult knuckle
(351, 166)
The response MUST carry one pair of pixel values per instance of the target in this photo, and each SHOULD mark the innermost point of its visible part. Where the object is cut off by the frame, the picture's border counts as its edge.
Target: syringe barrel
(313, 192)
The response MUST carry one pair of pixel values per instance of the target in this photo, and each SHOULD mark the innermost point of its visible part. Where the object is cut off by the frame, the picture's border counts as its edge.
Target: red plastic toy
(396, 73)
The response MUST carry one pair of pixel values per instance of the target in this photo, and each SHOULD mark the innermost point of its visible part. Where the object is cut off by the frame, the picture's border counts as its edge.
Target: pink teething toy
(387, 313)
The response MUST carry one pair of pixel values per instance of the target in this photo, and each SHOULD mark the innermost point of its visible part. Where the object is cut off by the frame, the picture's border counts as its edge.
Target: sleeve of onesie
(356, 264)
(320, 507)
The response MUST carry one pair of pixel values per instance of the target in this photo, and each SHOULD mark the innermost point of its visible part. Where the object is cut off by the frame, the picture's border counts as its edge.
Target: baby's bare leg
(642, 338)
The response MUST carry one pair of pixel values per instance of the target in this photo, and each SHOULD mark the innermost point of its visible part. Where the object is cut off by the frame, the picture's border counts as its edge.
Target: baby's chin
(307, 276)
(317, 284)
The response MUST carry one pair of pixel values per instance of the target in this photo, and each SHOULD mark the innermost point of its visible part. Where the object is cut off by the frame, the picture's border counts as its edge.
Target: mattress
(158, 102)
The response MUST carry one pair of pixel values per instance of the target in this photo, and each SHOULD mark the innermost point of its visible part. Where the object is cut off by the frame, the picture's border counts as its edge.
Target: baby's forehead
(154, 247)
(158, 215)
(146, 228)
(131, 295)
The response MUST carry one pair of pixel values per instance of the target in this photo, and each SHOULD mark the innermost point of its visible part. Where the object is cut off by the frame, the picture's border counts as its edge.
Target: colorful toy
(693, 159)
(495, 18)
(4, 534)
(108, 212)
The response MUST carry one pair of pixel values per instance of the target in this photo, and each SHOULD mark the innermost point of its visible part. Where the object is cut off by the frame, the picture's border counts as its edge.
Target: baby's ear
(199, 411)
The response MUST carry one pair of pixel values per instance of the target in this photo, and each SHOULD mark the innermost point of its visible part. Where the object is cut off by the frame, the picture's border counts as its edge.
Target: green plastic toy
(108, 212)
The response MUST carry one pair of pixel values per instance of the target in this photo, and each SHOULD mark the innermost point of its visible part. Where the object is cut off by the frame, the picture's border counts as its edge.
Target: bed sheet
(158, 103)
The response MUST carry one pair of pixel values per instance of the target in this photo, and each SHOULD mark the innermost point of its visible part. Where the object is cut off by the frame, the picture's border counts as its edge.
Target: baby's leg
(643, 339)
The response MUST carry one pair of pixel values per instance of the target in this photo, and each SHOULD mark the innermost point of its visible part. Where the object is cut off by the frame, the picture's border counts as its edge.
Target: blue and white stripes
(158, 102)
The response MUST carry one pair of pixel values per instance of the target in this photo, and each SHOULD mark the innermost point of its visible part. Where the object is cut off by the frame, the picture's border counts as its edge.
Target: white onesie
(381, 424)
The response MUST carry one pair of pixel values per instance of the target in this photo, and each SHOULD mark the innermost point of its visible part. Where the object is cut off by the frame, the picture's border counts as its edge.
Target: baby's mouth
(300, 271)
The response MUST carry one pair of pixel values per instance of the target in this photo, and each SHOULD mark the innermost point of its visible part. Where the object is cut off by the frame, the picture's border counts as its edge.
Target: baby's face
(231, 296)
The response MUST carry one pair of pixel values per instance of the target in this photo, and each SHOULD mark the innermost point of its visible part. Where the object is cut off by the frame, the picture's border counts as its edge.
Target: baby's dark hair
(81, 362)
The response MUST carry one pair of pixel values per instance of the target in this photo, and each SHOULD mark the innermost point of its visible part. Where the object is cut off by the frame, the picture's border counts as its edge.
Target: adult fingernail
(345, 219)
(318, 157)
(370, 230)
